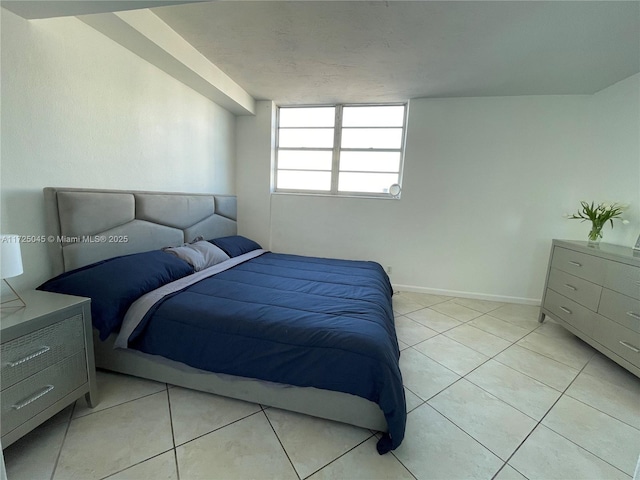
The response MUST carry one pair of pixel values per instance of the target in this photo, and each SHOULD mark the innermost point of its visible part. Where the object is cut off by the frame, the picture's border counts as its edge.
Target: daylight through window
(343, 149)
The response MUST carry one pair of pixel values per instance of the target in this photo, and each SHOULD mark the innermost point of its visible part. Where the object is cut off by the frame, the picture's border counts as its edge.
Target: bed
(305, 334)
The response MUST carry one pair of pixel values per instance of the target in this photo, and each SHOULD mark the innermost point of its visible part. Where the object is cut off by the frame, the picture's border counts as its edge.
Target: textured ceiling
(317, 52)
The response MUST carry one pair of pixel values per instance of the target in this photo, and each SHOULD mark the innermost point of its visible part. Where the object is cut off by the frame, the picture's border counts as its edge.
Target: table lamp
(10, 262)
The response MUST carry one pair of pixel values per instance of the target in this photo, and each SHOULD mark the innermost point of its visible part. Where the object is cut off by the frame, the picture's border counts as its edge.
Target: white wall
(79, 110)
(486, 183)
(255, 137)
(616, 159)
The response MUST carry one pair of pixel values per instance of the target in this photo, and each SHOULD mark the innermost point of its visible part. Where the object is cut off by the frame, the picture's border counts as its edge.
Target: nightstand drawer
(29, 397)
(623, 278)
(571, 312)
(620, 340)
(575, 288)
(620, 308)
(31, 353)
(579, 264)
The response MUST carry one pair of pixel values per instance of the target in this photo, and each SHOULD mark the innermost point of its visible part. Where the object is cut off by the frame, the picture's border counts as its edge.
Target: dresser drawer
(620, 340)
(575, 288)
(571, 312)
(31, 396)
(31, 353)
(623, 278)
(579, 264)
(620, 308)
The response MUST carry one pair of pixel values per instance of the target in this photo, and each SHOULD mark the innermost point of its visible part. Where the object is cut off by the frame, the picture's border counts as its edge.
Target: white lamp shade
(10, 256)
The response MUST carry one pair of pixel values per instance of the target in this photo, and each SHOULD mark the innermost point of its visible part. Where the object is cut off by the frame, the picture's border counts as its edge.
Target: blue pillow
(114, 284)
(235, 245)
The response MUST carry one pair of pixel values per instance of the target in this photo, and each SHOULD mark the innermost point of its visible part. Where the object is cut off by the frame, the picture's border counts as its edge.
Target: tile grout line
(423, 307)
(433, 360)
(545, 355)
(135, 464)
(585, 403)
(160, 453)
(504, 401)
(461, 429)
(489, 357)
(468, 434)
(281, 445)
(422, 402)
(495, 334)
(439, 333)
(452, 299)
(584, 448)
(526, 375)
(488, 333)
(513, 342)
(117, 405)
(343, 454)
(507, 465)
(220, 428)
(462, 322)
(600, 411)
(64, 438)
(173, 435)
(403, 465)
(533, 378)
(569, 440)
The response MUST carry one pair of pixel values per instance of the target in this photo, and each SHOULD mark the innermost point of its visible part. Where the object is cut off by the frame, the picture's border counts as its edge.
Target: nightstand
(46, 358)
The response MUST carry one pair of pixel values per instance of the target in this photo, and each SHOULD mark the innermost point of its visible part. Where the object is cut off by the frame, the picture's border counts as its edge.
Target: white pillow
(199, 255)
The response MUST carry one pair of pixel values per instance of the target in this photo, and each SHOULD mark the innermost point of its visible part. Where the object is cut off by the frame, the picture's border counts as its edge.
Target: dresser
(594, 292)
(47, 360)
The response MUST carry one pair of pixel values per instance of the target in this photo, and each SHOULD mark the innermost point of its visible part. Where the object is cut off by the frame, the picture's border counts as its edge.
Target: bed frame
(91, 225)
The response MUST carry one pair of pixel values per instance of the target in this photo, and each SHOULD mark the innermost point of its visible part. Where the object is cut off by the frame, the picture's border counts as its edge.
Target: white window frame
(337, 140)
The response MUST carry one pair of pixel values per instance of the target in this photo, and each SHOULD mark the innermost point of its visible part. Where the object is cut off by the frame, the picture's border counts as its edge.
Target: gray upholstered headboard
(91, 225)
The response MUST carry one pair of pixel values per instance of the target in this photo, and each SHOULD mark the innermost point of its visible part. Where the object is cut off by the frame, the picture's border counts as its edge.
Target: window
(341, 150)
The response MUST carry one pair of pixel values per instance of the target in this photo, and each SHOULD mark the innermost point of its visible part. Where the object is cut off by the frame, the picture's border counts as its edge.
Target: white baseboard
(476, 296)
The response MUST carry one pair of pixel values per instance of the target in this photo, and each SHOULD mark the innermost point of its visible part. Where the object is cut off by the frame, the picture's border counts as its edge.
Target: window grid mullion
(337, 139)
(364, 127)
(394, 172)
(274, 173)
(306, 170)
(319, 128)
(309, 149)
(373, 150)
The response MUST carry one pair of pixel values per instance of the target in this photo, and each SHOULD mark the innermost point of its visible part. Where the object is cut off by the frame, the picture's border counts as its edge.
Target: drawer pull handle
(575, 264)
(570, 287)
(633, 315)
(629, 346)
(44, 349)
(33, 398)
(566, 310)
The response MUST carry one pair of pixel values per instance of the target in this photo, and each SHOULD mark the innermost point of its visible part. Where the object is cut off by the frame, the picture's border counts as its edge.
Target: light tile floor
(491, 394)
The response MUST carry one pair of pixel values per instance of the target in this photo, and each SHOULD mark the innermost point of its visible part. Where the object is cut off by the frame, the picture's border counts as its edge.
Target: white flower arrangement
(599, 215)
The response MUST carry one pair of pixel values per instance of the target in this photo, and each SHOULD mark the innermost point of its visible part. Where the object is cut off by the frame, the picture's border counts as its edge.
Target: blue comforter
(301, 321)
